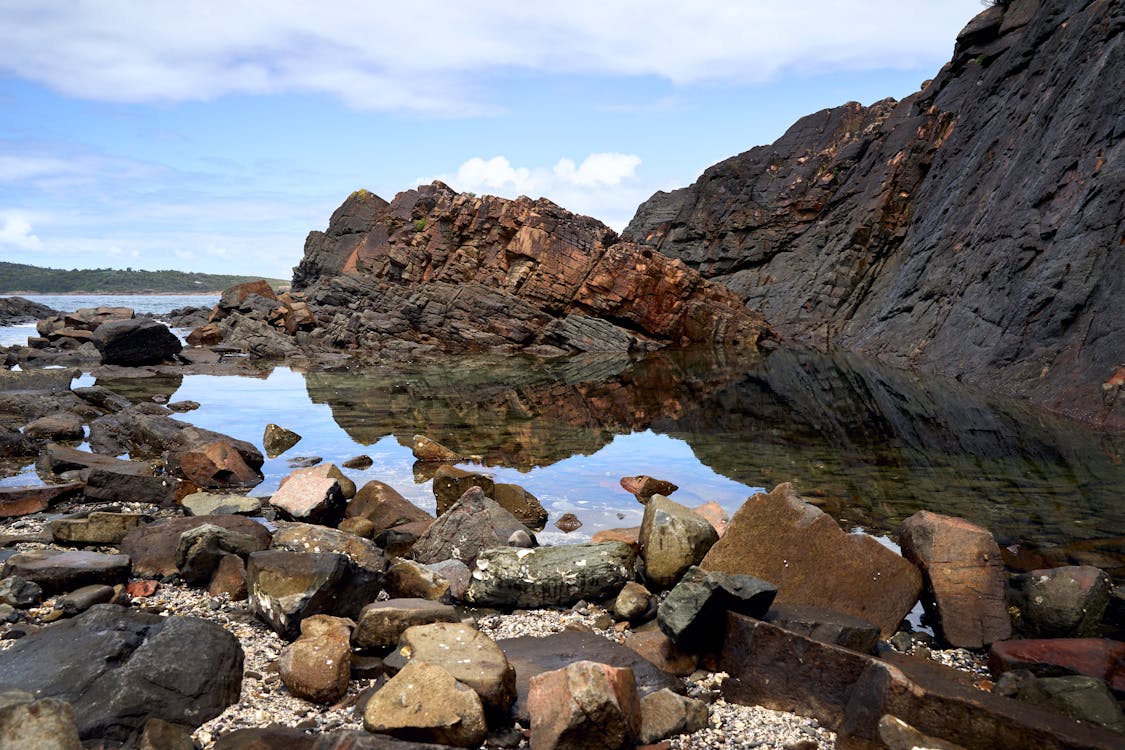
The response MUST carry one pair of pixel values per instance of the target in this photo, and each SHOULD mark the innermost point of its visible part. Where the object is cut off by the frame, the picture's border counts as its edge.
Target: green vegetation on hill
(16, 277)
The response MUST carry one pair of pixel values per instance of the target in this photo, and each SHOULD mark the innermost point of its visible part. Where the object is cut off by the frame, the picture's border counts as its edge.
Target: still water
(869, 444)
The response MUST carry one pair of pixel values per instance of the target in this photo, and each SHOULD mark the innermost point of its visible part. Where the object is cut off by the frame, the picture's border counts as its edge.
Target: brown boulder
(964, 577)
(804, 552)
(584, 705)
(384, 507)
(304, 497)
(317, 666)
(235, 295)
(643, 487)
(152, 548)
(215, 464)
(450, 483)
(425, 449)
(425, 703)
(207, 334)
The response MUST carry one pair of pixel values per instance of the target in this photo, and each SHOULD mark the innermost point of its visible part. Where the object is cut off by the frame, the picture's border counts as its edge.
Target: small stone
(568, 522)
(360, 462)
(277, 439)
(425, 449)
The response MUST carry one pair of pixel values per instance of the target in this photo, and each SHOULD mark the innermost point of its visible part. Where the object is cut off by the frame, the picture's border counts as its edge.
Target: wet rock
(380, 624)
(1062, 602)
(826, 626)
(567, 523)
(125, 666)
(153, 548)
(36, 381)
(286, 587)
(309, 498)
(152, 435)
(64, 571)
(138, 341)
(20, 592)
(326, 470)
(451, 483)
(643, 487)
(23, 501)
(521, 504)
(201, 548)
(1079, 697)
(811, 560)
(472, 524)
(45, 724)
(399, 541)
(276, 440)
(98, 528)
(215, 464)
(672, 538)
(584, 705)
(963, 575)
(531, 655)
(81, 599)
(632, 602)
(665, 714)
(229, 578)
(549, 576)
(1052, 657)
(694, 613)
(384, 507)
(424, 702)
(425, 449)
(317, 666)
(210, 503)
(55, 427)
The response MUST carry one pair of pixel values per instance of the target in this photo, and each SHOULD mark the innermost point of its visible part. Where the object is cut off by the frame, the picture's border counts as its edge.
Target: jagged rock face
(973, 229)
(456, 272)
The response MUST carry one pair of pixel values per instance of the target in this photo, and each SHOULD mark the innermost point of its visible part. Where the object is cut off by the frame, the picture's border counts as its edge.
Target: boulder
(55, 427)
(643, 487)
(694, 613)
(136, 341)
(466, 653)
(277, 439)
(1066, 602)
(964, 577)
(425, 449)
(826, 626)
(410, 579)
(45, 724)
(202, 548)
(584, 705)
(367, 559)
(36, 381)
(23, 501)
(451, 483)
(229, 579)
(81, 599)
(235, 296)
(633, 602)
(211, 503)
(156, 435)
(13, 443)
(665, 714)
(97, 528)
(567, 523)
(1077, 696)
(521, 504)
(119, 667)
(384, 507)
(425, 702)
(305, 497)
(357, 525)
(215, 464)
(660, 650)
(207, 334)
(549, 576)
(64, 571)
(327, 470)
(472, 524)
(317, 666)
(673, 538)
(1052, 657)
(153, 548)
(803, 552)
(532, 655)
(380, 624)
(129, 482)
(19, 592)
(286, 587)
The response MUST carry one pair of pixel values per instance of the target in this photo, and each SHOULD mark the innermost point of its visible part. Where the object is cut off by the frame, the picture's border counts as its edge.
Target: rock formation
(973, 229)
(437, 269)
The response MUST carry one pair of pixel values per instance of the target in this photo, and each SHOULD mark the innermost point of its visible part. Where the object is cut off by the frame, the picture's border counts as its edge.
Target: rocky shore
(149, 602)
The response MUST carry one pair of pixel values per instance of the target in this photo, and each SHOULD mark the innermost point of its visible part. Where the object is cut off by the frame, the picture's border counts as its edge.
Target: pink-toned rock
(313, 499)
(216, 464)
(584, 705)
(964, 577)
(803, 551)
(234, 296)
(425, 703)
(1095, 657)
(141, 589)
(714, 515)
(630, 536)
(327, 470)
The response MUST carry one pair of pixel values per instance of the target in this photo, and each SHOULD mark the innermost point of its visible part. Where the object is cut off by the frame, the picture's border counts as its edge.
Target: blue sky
(210, 136)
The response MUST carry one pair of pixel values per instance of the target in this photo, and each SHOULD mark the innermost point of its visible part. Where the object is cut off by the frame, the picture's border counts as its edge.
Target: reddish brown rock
(216, 464)
(643, 487)
(659, 650)
(384, 507)
(801, 550)
(630, 536)
(1049, 657)
(425, 449)
(964, 577)
(714, 514)
(141, 589)
(208, 334)
(229, 578)
(567, 523)
(152, 548)
(317, 666)
(584, 705)
(23, 501)
(234, 296)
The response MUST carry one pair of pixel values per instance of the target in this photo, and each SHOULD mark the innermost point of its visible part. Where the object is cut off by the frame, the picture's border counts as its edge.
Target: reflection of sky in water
(584, 485)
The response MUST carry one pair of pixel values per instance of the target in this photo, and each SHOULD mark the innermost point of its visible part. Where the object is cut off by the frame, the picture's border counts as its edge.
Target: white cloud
(436, 56)
(603, 185)
(16, 232)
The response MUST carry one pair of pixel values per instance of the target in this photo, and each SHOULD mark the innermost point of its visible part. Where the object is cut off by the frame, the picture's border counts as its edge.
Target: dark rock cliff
(973, 229)
(437, 269)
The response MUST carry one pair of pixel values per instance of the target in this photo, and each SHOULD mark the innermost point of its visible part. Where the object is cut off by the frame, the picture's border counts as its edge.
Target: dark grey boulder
(1077, 696)
(20, 593)
(472, 524)
(136, 341)
(694, 614)
(13, 444)
(117, 668)
(826, 626)
(1066, 602)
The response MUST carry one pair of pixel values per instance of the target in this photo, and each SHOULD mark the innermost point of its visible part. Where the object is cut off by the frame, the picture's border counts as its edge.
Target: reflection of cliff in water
(871, 444)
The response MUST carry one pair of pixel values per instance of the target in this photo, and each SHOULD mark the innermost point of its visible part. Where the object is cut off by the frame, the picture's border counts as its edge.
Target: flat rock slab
(37, 381)
(530, 655)
(23, 501)
(804, 552)
(98, 528)
(1053, 657)
(153, 547)
(118, 667)
(291, 738)
(63, 571)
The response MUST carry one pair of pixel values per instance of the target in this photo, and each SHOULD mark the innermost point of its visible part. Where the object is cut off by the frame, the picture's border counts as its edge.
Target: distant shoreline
(110, 294)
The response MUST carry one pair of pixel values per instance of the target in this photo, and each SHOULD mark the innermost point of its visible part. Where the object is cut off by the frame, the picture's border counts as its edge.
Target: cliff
(437, 269)
(973, 229)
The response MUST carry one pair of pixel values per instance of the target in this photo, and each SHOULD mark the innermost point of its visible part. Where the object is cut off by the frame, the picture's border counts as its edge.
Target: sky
(213, 136)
